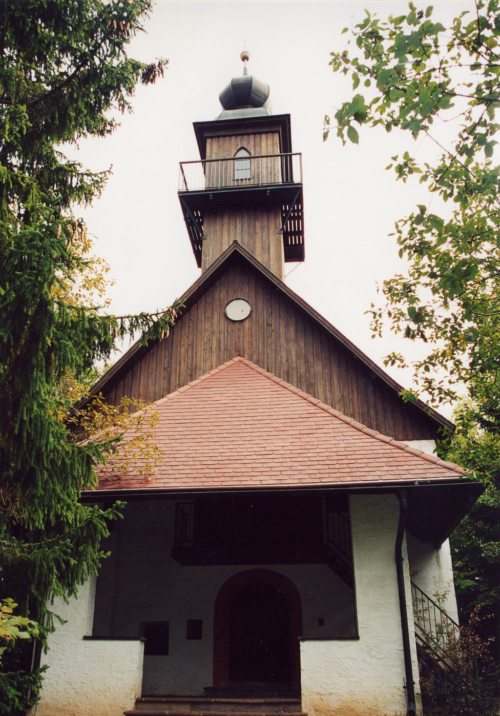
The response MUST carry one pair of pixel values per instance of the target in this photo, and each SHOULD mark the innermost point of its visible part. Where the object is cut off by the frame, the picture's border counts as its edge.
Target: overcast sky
(350, 201)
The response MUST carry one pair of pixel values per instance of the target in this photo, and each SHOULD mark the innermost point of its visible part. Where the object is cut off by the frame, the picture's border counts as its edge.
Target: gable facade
(280, 336)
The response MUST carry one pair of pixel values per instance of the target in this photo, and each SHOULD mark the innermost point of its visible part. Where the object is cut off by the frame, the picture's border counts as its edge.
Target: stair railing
(337, 542)
(435, 630)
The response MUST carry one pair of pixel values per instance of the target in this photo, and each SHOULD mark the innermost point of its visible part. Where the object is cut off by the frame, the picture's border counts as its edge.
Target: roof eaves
(139, 347)
(353, 486)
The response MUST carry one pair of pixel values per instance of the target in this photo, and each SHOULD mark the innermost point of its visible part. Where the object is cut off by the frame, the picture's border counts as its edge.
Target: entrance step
(253, 690)
(207, 706)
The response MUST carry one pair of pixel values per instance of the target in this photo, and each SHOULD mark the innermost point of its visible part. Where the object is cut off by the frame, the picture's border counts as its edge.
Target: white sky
(350, 201)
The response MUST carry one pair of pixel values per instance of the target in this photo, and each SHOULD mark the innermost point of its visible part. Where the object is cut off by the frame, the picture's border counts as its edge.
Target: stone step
(165, 712)
(206, 706)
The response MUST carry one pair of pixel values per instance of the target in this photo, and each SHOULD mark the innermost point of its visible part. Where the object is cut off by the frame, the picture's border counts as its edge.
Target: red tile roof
(241, 427)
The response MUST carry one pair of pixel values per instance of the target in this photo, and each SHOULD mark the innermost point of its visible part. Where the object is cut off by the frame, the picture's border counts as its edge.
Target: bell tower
(247, 186)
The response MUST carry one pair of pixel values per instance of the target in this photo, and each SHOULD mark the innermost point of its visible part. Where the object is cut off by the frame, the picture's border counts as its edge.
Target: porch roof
(240, 427)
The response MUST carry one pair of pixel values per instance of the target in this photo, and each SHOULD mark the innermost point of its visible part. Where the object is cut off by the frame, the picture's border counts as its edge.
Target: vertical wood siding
(257, 143)
(255, 229)
(281, 338)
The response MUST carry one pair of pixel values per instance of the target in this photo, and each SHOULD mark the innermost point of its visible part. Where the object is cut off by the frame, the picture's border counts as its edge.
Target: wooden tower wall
(257, 143)
(254, 228)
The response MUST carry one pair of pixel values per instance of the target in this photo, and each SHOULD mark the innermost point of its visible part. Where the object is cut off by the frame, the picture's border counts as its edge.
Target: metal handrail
(263, 170)
(433, 626)
(236, 159)
(183, 176)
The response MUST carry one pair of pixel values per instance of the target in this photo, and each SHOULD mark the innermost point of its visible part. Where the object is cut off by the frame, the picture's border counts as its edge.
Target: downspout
(398, 554)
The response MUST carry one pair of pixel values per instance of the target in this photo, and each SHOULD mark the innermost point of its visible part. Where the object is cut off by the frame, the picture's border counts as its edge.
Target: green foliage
(417, 74)
(466, 685)
(19, 690)
(12, 626)
(412, 74)
(475, 542)
(63, 69)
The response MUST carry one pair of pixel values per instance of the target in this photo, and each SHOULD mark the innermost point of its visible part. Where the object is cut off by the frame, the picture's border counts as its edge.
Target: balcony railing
(241, 172)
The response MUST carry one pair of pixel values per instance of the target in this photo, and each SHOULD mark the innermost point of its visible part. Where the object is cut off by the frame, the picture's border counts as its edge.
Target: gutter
(411, 709)
(356, 487)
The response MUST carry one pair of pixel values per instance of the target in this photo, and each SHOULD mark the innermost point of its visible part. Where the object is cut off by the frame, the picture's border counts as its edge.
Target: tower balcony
(250, 182)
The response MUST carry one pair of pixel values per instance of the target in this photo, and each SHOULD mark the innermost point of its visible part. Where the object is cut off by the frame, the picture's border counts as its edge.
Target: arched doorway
(257, 623)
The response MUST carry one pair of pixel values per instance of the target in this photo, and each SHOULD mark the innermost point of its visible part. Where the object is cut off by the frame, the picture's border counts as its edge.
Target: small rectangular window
(156, 635)
(194, 629)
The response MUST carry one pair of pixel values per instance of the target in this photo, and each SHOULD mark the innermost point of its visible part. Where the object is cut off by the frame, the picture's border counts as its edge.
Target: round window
(238, 309)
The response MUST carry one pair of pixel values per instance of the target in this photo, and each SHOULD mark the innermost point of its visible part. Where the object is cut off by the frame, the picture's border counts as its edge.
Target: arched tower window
(242, 164)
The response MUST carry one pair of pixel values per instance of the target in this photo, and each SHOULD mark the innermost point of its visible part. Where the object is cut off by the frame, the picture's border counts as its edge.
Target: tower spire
(244, 57)
(248, 185)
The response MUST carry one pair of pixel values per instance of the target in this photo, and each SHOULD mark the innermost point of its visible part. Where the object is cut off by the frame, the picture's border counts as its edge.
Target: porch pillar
(365, 675)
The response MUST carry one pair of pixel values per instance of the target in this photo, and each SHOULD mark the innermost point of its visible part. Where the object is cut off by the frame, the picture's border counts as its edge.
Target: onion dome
(244, 92)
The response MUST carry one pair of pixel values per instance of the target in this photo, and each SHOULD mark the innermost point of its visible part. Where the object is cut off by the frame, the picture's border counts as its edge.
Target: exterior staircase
(215, 706)
(437, 636)
(436, 632)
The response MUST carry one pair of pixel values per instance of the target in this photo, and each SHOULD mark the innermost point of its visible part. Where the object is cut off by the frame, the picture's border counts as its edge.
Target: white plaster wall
(365, 677)
(141, 582)
(192, 593)
(432, 570)
(86, 678)
(428, 446)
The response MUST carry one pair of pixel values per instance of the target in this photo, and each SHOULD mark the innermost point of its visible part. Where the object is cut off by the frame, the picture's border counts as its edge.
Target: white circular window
(238, 309)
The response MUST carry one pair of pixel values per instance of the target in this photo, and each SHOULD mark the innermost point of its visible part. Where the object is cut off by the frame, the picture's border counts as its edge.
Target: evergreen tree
(63, 69)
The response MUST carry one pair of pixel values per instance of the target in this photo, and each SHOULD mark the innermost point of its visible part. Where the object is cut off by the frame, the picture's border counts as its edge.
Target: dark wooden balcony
(257, 182)
(265, 530)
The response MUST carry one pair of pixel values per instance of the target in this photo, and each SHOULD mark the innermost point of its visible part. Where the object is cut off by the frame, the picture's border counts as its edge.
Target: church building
(289, 554)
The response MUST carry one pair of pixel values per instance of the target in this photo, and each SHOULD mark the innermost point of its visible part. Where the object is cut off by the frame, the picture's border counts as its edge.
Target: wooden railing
(184, 523)
(239, 173)
(337, 539)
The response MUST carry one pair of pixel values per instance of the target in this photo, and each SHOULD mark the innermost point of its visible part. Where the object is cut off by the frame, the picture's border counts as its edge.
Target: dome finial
(244, 57)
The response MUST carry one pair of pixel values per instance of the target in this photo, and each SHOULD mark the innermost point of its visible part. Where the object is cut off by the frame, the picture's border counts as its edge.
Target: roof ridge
(192, 383)
(184, 388)
(351, 421)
